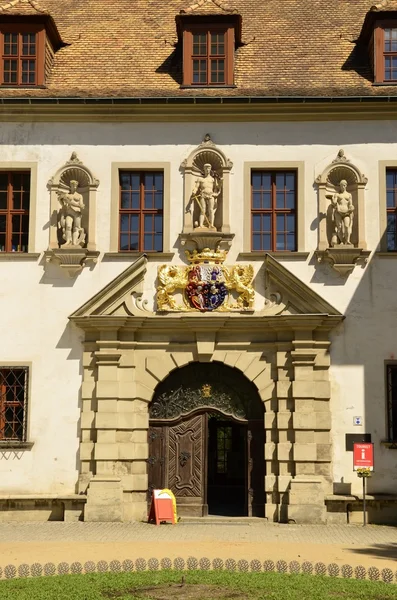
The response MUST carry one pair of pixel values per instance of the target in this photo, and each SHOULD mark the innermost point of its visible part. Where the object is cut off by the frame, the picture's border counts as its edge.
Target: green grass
(255, 586)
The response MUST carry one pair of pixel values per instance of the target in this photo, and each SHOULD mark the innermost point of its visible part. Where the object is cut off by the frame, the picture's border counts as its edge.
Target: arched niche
(73, 170)
(193, 168)
(337, 245)
(341, 169)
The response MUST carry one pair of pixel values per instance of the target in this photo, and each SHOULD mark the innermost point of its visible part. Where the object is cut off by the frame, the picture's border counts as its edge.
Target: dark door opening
(227, 467)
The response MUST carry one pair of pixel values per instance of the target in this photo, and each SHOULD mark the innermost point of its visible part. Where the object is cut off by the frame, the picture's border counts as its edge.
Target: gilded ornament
(206, 390)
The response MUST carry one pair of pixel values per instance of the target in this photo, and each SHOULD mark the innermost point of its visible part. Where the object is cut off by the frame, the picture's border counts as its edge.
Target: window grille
(13, 403)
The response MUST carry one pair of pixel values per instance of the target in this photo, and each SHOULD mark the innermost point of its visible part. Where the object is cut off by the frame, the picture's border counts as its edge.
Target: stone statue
(206, 191)
(70, 215)
(342, 215)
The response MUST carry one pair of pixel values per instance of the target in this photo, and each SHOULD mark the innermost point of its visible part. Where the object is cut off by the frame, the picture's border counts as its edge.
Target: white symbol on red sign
(363, 456)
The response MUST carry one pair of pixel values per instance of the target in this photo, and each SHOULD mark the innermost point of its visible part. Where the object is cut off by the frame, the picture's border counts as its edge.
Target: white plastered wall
(35, 300)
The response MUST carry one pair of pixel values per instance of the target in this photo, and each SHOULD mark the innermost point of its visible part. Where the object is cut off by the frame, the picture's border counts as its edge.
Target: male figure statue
(70, 216)
(343, 208)
(206, 193)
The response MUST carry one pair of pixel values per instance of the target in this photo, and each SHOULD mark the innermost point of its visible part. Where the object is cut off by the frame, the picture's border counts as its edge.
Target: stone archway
(206, 441)
(283, 350)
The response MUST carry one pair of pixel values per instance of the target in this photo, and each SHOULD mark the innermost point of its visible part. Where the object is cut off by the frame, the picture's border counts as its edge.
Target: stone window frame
(299, 167)
(116, 167)
(32, 167)
(382, 247)
(26, 444)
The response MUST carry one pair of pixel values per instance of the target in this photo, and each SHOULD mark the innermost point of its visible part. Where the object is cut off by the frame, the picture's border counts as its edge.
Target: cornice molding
(196, 109)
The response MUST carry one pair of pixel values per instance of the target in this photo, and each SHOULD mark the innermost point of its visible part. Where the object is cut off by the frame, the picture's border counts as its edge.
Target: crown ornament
(206, 255)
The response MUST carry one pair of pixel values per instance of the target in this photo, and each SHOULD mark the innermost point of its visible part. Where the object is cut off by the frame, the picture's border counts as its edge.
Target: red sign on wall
(363, 456)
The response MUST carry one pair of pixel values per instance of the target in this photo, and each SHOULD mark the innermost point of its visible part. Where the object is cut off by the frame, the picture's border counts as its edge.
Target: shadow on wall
(367, 338)
(185, 134)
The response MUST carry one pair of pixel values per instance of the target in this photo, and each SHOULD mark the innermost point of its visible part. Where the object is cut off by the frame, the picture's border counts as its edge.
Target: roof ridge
(198, 4)
(12, 3)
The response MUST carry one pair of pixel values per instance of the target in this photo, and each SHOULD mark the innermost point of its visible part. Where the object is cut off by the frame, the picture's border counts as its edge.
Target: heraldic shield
(206, 288)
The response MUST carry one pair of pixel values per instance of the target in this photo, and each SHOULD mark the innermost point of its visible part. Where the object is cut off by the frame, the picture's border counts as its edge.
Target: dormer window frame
(208, 28)
(21, 29)
(380, 52)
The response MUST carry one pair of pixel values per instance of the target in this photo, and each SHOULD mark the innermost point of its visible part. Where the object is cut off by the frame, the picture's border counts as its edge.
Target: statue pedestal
(202, 238)
(342, 258)
(71, 259)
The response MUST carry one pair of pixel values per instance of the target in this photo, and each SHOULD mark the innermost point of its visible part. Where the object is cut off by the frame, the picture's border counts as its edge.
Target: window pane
(29, 44)
(256, 223)
(158, 181)
(280, 243)
(158, 242)
(124, 223)
(10, 71)
(256, 200)
(280, 223)
(148, 242)
(134, 242)
(217, 44)
(199, 44)
(148, 223)
(256, 180)
(218, 71)
(10, 44)
(267, 223)
(291, 242)
(28, 71)
(158, 223)
(256, 242)
(3, 200)
(267, 242)
(391, 232)
(200, 71)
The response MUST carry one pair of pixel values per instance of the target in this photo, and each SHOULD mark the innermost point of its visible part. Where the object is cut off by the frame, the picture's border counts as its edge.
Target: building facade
(197, 247)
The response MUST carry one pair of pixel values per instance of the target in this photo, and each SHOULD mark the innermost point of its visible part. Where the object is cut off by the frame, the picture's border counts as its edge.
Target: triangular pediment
(286, 294)
(121, 297)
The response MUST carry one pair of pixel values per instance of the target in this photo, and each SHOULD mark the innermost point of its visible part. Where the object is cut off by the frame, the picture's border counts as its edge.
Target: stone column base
(306, 501)
(104, 499)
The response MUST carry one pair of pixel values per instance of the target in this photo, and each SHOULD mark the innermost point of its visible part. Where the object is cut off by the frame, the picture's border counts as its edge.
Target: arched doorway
(206, 441)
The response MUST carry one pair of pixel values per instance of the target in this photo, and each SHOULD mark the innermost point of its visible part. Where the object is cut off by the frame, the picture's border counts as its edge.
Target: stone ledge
(283, 254)
(14, 445)
(19, 255)
(359, 497)
(30, 497)
(132, 256)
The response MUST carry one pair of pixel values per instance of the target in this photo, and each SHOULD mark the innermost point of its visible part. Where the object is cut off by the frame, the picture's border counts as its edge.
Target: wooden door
(156, 460)
(187, 464)
(177, 460)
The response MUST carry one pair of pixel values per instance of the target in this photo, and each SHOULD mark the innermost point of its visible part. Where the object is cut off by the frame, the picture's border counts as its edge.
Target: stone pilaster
(311, 429)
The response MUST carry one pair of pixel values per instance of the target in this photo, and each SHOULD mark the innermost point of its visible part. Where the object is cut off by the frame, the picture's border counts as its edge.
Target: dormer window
(385, 64)
(22, 55)
(208, 55)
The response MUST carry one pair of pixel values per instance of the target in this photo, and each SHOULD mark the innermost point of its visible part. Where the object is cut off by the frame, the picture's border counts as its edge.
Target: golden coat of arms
(206, 285)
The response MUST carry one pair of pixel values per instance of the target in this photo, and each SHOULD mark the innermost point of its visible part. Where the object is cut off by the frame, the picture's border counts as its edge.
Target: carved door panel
(156, 459)
(256, 470)
(187, 464)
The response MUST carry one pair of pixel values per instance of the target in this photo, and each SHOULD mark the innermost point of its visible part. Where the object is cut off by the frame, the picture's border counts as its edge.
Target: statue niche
(206, 178)
(72, 226)
(342, 215)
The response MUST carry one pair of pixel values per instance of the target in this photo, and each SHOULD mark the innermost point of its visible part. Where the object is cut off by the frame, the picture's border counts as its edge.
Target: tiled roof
(208, 7)
(385, 5)
(128, 48)
(21, 7)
